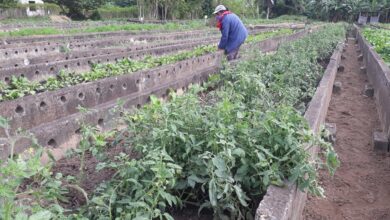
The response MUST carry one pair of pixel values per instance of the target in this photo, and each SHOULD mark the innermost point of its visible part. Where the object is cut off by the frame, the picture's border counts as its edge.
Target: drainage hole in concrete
(63, 99)
(98, 90)
(19, 109)
(52, 143)
(111, 87)
(81, 96)
(101, 122)
(42, 105)
(124, 86)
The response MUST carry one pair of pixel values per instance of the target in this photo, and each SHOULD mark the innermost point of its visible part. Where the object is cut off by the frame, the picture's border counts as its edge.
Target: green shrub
(110, 12)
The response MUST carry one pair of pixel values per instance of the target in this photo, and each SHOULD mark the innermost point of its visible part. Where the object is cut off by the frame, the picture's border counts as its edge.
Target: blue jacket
(233, 32)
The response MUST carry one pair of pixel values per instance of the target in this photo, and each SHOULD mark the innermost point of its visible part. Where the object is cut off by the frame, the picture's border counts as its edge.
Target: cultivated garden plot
(50, 63)
(380, 39)
(213, 150)
(94, 27)
(101, 91)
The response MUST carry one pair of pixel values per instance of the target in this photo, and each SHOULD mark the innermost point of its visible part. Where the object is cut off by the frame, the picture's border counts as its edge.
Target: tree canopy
(329, 10)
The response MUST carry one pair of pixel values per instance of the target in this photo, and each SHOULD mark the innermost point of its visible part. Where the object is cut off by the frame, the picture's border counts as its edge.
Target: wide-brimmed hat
(219, 8)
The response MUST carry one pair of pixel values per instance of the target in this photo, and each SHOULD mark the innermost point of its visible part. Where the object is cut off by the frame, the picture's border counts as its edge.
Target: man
(233, 31)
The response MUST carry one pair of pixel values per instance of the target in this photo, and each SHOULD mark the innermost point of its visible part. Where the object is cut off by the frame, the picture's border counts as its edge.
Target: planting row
(380, 39)
(216, 148)
(67, 25)
(50, 47)
(103, 28)
(29, 50)
(85, 38)
(41, 71)
(121, 45)
(8, 42)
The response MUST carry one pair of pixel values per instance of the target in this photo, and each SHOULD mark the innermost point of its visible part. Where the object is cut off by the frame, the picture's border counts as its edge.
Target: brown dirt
(360, 188)
(70, 166)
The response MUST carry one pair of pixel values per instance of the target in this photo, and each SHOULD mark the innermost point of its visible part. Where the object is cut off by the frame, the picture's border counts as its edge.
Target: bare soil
(360, 188)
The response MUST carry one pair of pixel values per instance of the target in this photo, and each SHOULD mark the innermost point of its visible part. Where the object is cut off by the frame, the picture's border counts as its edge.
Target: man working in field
(233, 31)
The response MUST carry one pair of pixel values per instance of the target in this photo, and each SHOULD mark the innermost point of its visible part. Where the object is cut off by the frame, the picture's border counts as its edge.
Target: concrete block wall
(378, 73)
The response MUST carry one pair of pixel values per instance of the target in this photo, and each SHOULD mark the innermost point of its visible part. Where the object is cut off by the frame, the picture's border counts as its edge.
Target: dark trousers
(233, 54)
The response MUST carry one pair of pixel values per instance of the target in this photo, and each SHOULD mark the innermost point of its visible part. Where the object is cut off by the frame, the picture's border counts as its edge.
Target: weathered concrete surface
(368, 90)
(332, 132)
(380, 141)
(337, 86)
(379, 76)
(287, 203)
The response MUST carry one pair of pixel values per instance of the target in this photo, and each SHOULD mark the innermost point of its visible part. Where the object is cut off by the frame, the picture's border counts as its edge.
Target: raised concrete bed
(74, 42)
(67, 25)
(47, 47)
(43, 70)
(378, 73)
(53, 118)
(287, 203)
(8, 42)
(82, 61)
(75, 54)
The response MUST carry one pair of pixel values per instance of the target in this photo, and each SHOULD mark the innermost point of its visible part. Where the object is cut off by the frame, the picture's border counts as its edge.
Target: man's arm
(225, 34)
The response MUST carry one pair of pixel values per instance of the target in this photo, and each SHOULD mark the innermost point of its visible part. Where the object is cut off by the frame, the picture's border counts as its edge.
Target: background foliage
(329, 10)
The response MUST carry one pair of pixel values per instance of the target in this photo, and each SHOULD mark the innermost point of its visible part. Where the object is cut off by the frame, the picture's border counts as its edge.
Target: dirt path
(361, 187)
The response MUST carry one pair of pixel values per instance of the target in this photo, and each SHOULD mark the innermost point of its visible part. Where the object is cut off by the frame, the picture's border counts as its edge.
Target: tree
(7, 3)
(78, 8)
(270, 4)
